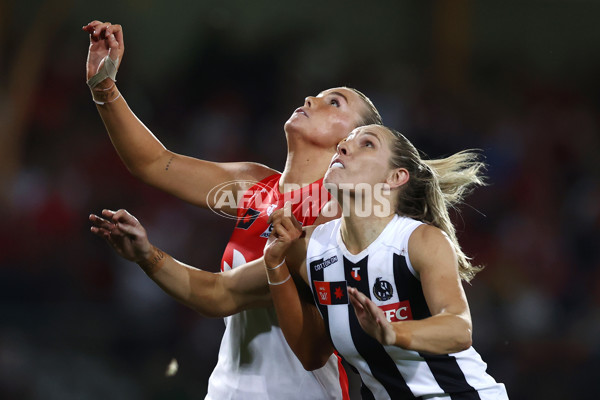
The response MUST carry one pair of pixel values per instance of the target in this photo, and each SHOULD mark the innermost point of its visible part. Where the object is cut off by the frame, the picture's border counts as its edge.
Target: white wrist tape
(108, 70)
(279, 283)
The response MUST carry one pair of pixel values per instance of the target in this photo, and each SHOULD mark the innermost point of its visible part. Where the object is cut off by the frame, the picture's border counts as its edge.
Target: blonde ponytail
(434, 187)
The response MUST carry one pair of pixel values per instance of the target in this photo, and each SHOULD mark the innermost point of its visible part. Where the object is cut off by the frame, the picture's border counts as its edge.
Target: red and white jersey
(255, 361)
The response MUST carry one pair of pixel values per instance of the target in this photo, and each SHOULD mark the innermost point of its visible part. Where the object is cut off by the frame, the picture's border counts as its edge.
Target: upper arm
(192, 179)
(434, 259)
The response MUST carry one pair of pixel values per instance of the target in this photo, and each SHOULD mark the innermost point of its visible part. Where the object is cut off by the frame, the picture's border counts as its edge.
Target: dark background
(217, 80)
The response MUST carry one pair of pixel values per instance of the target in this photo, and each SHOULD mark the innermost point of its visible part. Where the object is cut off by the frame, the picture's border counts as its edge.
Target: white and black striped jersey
(383, 272)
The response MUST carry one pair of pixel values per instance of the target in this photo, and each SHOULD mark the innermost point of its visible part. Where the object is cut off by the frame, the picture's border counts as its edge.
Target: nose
(342, 147)
(309, 101)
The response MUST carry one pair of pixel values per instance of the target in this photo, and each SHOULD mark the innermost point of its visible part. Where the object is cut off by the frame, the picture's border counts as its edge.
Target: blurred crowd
(77, 322)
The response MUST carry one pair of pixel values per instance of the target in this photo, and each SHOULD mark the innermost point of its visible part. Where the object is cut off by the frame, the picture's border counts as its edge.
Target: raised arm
(299, 318)
(142, 153)
(448, 330)
(210, 294)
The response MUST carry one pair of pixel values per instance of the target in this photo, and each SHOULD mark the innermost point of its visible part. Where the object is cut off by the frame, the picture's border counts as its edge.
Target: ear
(397, 177)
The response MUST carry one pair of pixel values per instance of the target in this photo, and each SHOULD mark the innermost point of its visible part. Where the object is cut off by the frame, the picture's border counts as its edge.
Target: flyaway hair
(434, 187)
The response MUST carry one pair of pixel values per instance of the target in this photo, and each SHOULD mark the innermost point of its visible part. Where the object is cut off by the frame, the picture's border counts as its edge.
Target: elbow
(463, 337)
(136, 171)
(464, 340)
(141, 172)
(145, 169)
(463, 345)
(208, 313)
(209, 309)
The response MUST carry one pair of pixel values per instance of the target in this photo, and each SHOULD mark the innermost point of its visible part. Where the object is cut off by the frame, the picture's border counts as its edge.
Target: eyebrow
(371, 134)
(338, 94)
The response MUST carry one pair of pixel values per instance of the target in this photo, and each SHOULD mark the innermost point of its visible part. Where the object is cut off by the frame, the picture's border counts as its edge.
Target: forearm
(440, 334)
(213, 295)
(172, 276)
(134, 142)
(302, 326)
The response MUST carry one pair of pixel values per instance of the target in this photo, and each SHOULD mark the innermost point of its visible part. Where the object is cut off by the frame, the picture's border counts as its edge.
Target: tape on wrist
(101, 103)
(108, 70)
(279, 283)
(274, 268)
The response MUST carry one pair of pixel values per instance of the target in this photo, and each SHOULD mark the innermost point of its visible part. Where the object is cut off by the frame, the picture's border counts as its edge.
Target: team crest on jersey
(331, 293)
(382, 290)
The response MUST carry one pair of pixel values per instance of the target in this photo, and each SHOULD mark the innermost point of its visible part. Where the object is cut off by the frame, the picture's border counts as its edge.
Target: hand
(286, 229)
(124, 233)
(105, 39)
(371, 318)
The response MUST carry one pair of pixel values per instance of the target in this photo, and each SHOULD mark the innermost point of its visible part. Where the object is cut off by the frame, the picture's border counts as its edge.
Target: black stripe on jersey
(382, 366)
(318, 276)
(444, 368)
(410, 287)
(450, 377)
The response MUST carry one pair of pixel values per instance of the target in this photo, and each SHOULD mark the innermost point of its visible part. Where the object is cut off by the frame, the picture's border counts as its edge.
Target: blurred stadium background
(217, 80)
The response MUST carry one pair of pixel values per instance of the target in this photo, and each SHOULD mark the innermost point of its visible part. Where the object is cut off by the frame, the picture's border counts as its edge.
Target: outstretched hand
(371, 318)
(286, 229)
(124, 233)
(105, 39)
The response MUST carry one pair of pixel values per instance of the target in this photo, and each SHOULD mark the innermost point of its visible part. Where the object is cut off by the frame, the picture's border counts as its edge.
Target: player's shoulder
(254, 171)
(426, 234)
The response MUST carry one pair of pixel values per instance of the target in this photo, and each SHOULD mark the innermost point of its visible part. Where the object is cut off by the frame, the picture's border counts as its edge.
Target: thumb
(114, 49)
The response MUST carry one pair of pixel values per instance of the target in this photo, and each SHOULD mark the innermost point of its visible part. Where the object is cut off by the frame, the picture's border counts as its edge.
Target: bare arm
(211, 294)
(449, 328)
(142, 153)
(299, 319)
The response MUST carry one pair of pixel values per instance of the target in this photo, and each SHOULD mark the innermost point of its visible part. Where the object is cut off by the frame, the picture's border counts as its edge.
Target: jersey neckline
(357, 257)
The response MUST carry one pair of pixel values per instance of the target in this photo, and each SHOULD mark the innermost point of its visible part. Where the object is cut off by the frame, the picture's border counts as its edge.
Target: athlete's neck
(305, 166)
(359, 232)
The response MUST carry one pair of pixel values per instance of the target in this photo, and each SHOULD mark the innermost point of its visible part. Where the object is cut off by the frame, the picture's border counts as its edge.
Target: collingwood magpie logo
(382, 290)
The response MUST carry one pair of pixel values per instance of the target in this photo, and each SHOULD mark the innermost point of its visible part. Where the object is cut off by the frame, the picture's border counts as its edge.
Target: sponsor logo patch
(324, 264)
(397, 311)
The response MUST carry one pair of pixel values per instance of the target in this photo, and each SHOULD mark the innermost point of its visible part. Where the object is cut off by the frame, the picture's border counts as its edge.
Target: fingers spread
(101, 223)
(125, 217)
(108, 214)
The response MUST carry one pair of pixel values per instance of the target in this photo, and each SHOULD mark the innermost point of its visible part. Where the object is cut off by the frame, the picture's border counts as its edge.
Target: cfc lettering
(397, 311)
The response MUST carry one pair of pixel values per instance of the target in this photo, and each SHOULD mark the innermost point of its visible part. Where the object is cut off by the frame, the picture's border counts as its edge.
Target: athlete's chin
(293, 127)
(332, 177)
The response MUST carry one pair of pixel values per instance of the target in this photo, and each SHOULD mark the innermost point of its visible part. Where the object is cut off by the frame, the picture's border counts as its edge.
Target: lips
(336, 163)
(300, 110)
